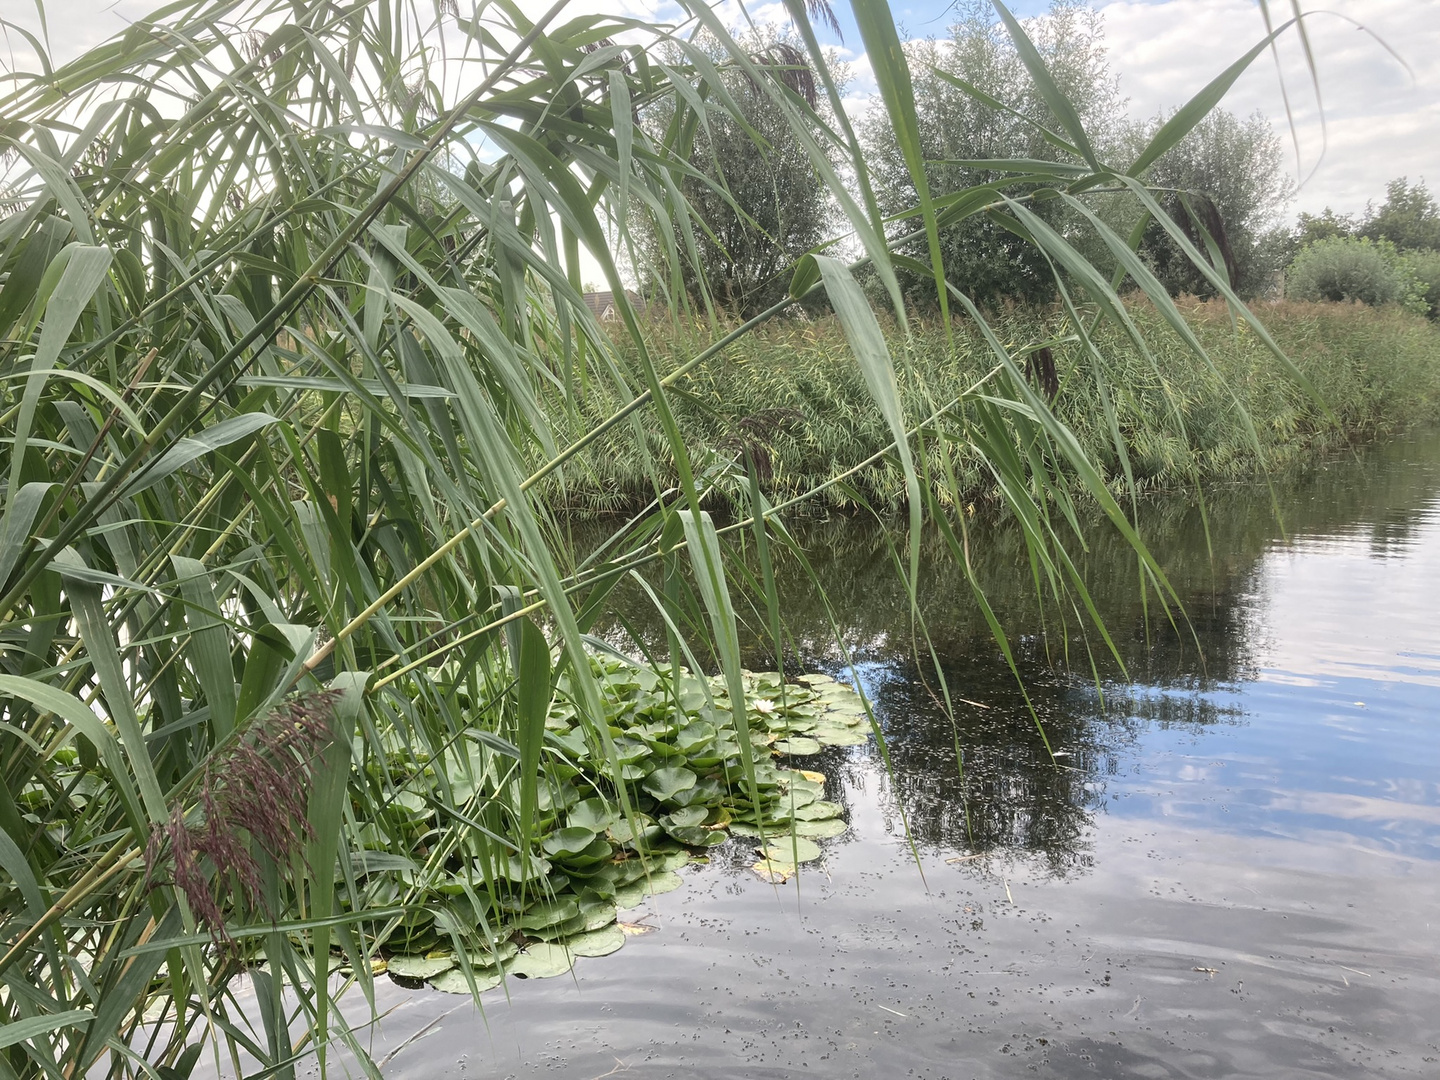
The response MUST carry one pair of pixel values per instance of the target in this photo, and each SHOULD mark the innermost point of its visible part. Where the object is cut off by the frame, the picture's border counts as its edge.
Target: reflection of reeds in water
(1006, 796)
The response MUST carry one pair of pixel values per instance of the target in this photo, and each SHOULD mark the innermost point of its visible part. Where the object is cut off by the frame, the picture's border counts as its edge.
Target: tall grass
(291, 341)
(790, 399)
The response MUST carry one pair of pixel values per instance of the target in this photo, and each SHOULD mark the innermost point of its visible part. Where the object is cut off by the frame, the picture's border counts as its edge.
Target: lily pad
(793, 849)
(820, 830)
(668, 782)
(838, 736)
(594, 814)
(818, 811)
(669, 860)
(698, 838)
(633, 895)
(453, 981)
(419, 967)
(598, 915)
(600, 942)
(571, 841)
(687, 817)
(540, 960)
(548, 913)
(777, 873)
(800, 746)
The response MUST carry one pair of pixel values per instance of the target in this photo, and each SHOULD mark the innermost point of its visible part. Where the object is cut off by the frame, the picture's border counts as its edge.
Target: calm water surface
(1235, 872)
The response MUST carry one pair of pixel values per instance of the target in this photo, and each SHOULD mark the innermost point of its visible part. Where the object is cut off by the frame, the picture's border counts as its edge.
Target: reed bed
(793, 398)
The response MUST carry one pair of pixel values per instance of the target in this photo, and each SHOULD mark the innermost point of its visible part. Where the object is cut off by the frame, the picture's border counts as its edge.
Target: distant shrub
(1345, 268)
(1424, 267)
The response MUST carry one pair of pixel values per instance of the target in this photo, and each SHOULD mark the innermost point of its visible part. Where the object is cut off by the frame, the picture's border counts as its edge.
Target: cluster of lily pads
(491, 912)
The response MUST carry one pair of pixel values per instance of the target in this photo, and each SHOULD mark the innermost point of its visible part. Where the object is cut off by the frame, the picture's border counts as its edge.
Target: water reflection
(1256, 570)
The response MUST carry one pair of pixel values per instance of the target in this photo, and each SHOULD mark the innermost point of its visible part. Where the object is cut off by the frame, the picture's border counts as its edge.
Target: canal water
(1230, 867)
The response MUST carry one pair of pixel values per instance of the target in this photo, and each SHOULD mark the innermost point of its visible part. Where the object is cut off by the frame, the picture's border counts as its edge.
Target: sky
(1380, 120)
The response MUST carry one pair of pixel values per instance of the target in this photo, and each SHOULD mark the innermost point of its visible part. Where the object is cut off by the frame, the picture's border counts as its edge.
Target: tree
(1324, 226)
(982, 257)
(279, 581)
(756, 201)
(1231, 173)
(1408, 217)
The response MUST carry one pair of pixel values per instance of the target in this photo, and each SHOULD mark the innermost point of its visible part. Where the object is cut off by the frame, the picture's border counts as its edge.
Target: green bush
(1346, 268)
(1424, 267)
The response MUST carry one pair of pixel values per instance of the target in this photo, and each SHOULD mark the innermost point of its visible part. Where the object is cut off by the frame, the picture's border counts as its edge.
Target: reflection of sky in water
(1341, 742)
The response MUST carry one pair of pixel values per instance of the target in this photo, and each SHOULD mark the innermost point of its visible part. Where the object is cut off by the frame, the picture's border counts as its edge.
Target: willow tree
(288, 304)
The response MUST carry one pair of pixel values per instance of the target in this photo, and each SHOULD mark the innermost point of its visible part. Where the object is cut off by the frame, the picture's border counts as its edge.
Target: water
(1235, 872)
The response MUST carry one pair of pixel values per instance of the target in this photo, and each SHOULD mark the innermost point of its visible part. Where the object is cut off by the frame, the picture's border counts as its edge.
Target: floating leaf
(630, 929)
(793, 849)
(687, 817)
(695, 837)
(820, 830)
(419, 967)
(773, 871)
(548, 913)
(800, 746)
(818, 811)
(598, 915)
(453, 981)
(594, 814)
(540, 960)
(601, 942)
(571, 841)
(633, 895)
(668, 782)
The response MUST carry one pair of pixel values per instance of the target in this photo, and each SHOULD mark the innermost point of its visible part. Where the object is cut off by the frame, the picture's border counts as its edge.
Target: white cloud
(1380, 122)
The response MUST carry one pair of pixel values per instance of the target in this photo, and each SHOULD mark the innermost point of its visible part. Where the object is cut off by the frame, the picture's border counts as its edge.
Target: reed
(791, 397)
(296, 662)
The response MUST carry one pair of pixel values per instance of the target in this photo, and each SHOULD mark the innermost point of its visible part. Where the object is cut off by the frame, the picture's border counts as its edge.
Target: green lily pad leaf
(453, 981)
(797, 797)
(571, 841)
(818, 811)
(594, 814)
(820, 830)
(793, 849)
(562, 930)
(668, 860)
(668, 782)
(633, 895)
(598, 851)
(687, 817)
(833, 736)
(744, 828)
(497, 954)
(814, 679)
(540, 960)
(600, 915)
(800, 746)
(419, 967)
(623, 832)
(696, 837)
(601, 942)
(547, 913)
